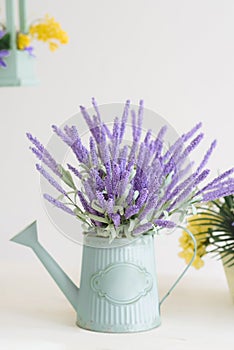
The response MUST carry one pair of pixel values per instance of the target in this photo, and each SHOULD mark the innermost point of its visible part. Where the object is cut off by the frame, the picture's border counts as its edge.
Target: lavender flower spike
(217, 180)
(124, 119)
(58, 204)
(136, 185)
(49, 178)
(3, 55)
(96, 110)
(36, 142)
(195, 142)
(222, 192)
(41, 152)
(165, 223)
(189, 134)
(140, 119)
(142, 229)
(207, 156)
(74, 170)
(63, 136)
(130, 211)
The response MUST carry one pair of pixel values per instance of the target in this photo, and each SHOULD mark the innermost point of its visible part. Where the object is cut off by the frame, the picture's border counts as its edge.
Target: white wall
(175, 54)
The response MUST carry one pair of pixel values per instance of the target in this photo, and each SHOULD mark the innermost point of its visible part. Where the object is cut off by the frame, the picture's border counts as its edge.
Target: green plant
(215, 222)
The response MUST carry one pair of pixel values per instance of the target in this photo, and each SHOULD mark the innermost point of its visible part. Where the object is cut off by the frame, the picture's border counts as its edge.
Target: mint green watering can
(118, 287)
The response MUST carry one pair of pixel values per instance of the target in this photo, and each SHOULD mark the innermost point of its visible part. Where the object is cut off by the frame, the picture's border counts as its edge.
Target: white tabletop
(35, 315)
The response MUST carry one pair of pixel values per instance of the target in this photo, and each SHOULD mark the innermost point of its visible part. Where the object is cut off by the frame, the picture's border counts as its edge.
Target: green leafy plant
(215, 222)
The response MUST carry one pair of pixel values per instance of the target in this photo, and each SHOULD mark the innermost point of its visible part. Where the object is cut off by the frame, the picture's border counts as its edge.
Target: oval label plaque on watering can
(122, 283)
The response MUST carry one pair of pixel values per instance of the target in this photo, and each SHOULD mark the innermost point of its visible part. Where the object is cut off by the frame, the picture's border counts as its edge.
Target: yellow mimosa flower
(23, 41)
(187, 244)
(50, 31)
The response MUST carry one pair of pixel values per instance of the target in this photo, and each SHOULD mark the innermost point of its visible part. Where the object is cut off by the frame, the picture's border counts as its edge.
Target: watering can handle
(187, 267)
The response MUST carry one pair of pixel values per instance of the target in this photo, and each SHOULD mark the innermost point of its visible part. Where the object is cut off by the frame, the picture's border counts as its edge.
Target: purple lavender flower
(99, 183)
(190, 134)
(122, 185)
(221, 192)
(207, 156)
(142, 229)
(49, 178)
(134, 126)
(195, 142)
(158, 143)
(93, 152)
(123, 158)
(217, 180)
(36, 142)
(63, 136)
(124, 119)
(58, 204)
(88, 190)
(3, 55)
(116, 219)
(140, 180)
(142, 198)
(109, 207)
(41, 152)
(85, 204)
(140, 119)
(165, 223)
(147, 137)
(150, 205)
(115, 177)
(130, 211)
(188, 190)
(96, 110)
(74, 170)
(30, 50)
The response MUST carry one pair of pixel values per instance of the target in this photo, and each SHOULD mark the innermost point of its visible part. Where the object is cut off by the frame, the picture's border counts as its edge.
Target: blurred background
(176, 55)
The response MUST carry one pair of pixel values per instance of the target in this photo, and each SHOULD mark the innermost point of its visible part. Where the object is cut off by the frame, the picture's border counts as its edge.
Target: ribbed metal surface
(96, 312)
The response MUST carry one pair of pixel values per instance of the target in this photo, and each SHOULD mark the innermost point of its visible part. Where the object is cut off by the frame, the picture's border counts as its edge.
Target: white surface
(35, 315)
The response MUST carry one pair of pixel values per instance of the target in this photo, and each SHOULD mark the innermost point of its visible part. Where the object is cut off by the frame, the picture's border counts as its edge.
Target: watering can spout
(28, 237)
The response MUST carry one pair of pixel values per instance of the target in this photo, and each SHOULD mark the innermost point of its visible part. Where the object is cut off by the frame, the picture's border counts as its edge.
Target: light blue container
(21, 67)
(118, 287)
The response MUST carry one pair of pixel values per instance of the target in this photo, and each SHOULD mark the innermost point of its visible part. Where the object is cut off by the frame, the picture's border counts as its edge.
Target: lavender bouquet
(120, 190)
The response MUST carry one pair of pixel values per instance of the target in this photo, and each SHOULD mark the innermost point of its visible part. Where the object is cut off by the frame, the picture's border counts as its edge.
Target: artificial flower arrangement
(126, 190)
(213, 228)
(47, 30)
(123, 191)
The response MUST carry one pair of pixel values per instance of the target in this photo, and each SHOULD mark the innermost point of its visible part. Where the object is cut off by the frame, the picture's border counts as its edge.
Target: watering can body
(118, 286)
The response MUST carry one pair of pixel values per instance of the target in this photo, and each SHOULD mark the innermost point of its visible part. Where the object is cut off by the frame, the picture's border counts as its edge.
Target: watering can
(118, 287)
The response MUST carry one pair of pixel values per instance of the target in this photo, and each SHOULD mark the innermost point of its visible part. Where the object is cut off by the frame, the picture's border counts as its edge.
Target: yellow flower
(53, 46)
(50, 31)
(23, 41)
(187, 244)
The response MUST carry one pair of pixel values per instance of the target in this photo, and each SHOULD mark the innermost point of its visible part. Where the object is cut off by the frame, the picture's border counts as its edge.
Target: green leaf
(194, 209)
(84, 167)
(118, 208)
(98, 218)
(124, 196)
(59, 198)
(97, 208)
(136, 194)
(5, 42)
(66, 177)
(132, 174)
(80, 215)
